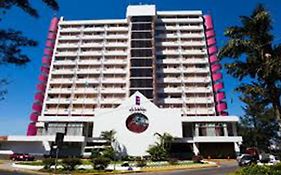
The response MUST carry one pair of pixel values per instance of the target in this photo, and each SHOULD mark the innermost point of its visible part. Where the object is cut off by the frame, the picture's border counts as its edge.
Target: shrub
(255, 170)
(48, 162)
(173, 161)
(95, 153)
(276, 169)
(70, 163)
(109, 153)
(260, 170)
(197, 159)
(157, 153)
(100, 163)
(141, 163)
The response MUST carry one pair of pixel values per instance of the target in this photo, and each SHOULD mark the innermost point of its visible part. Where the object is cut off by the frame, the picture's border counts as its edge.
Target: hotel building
(154, 71)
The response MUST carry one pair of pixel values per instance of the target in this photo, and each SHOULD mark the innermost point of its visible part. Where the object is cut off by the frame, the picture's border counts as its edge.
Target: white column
(225, 130)
(237, 148)
(196, 130)
(195, 149)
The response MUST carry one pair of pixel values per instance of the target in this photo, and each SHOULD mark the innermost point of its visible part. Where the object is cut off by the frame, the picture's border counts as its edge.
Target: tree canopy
(255, 60)
(12, 41)
(253, 56)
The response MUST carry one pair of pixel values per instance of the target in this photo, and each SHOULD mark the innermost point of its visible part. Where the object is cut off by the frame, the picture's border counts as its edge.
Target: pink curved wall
(218, 86)
(43, 77)
(215, 67)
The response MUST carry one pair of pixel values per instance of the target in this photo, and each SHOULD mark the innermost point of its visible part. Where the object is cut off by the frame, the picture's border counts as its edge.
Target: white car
(272, 160)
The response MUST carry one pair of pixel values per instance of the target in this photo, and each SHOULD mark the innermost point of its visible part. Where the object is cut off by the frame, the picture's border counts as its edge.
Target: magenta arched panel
(221, 107)
(53, 25)
(215, 67)
(48, 52)
(52, 36)
(212, 50)
(216, 76)
(220, 96)
(44, 69)
(50, 44)
(34, 117)
(218, 86)
(43, 78)
(211, 41)
(41, 87)
(213, 59)
(39, 96)
(208, 22)
(37, 107)
(210, 33)
(31, 130)
(46, 60)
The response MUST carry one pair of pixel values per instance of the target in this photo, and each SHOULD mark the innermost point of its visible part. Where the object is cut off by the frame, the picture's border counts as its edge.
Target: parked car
(246, 159)
(272, 160)
(21, 157)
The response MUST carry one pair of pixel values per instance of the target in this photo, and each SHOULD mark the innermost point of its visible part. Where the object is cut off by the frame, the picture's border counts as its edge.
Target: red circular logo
(137, 122)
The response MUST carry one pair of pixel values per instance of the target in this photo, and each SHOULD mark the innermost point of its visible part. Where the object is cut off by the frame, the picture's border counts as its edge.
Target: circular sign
(137, 122)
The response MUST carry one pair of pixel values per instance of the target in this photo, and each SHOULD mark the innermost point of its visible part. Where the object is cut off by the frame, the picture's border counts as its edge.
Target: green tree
(258, 127)
(12, 41)
(109, 152)
(165, 140)
(108, 135)
(157, 152)
(161, 150)
(253, 55)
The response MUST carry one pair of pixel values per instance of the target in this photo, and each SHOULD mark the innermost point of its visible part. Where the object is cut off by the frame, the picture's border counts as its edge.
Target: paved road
(222, 170)
(7, 169)
(11, 173)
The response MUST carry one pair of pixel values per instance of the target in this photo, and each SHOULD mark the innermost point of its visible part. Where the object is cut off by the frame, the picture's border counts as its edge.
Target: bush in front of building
(157, 152)
(260, 170)
(173, 161)
(48, 162)
(100, 163)
(70, 163)
(197, 159)
(109, 153)
(95, 153)
(141, 163)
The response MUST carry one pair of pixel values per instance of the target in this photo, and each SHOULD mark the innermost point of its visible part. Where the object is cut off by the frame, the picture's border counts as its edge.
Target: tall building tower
(150, 63)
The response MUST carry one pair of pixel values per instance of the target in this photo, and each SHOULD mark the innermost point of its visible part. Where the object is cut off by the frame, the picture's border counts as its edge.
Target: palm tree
(108, 135)
(165, 140)
(162, 148)
(262, 61)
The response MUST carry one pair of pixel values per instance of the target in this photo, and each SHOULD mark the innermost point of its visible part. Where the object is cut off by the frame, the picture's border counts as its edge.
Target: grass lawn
(35, 163)
(150, 167)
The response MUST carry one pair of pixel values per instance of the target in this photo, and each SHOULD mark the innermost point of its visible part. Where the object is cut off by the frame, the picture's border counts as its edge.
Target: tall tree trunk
(274, 95)
(277, 111)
